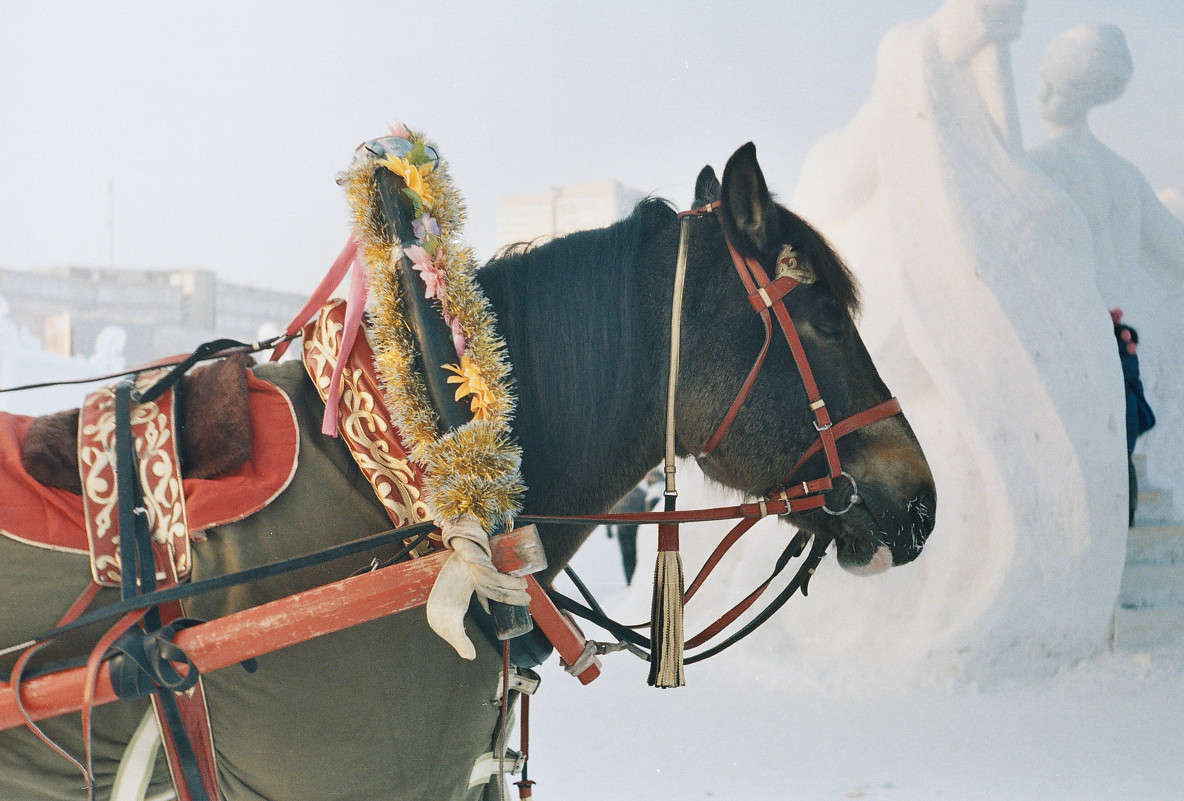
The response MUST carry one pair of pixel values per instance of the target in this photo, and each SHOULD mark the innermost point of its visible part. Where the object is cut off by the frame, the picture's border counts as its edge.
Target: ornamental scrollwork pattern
(159, 473)
(363, 421)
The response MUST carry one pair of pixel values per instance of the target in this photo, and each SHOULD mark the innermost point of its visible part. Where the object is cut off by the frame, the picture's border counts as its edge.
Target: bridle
(767, 298)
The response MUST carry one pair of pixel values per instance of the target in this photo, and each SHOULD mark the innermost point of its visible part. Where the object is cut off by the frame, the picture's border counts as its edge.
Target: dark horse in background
(386, 710)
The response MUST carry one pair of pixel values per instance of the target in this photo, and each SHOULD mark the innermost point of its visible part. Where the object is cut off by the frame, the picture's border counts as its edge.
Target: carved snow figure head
(1085, 66)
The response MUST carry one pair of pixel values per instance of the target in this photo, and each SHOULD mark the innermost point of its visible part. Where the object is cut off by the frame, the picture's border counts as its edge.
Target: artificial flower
(411, 174)
(424, 226)
(470, 383)
(399, 130)
(430, 271)
(458, 336)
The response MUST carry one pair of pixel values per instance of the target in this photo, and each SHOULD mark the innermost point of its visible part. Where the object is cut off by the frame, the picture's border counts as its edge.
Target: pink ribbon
(319, 295)
(355, 304)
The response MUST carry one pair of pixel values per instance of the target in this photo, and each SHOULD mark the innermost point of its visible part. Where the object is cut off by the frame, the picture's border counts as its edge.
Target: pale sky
(220, 126)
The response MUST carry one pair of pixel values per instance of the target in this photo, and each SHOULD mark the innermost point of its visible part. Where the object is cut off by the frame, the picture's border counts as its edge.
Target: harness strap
(193, 770)
(319, 296)
(84, 600)
(93, 662)
(680, 276)
(795, 548)
(137, 564)
(800, 581)
(787, 501)
(757, 283)
(524, 784)
(764, 297)
(874, 414)
(742, 395)
(739, 530)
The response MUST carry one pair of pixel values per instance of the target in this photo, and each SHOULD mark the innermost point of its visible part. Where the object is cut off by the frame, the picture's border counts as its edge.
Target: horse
(388, 710)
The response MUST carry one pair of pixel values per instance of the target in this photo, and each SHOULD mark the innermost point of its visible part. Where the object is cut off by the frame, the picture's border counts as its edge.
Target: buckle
(814, 407)
(522, 680)
(851, 501)
(488, 765)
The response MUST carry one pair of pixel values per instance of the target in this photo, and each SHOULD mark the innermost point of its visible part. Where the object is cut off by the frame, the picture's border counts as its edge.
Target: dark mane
(578, 297)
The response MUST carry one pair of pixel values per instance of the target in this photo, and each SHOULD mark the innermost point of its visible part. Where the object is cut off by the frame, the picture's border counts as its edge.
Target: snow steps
(1155, 507)
(1152, 585)
(1150, 613)
(1148, 629)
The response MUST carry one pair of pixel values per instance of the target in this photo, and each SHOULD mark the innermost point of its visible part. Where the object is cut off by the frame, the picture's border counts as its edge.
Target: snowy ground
(749, 727)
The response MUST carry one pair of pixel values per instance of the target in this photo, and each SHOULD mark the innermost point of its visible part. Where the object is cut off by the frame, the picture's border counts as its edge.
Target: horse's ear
(706, 187)
(745, 200)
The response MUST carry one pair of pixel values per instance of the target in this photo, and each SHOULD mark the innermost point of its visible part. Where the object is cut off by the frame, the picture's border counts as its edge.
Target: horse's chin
(856, 563)
(860, 552)
(862, 549)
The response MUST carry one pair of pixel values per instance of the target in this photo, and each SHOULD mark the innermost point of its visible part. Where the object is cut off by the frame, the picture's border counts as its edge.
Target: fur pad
(215, 429)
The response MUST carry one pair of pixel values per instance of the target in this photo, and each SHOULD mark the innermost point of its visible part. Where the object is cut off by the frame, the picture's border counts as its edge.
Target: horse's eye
(827, 326)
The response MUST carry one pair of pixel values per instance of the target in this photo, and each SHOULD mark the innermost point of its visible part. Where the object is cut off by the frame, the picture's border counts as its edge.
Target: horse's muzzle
(879, 530)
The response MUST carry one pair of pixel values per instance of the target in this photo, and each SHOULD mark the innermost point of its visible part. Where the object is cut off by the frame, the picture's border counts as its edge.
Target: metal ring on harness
(854, 499)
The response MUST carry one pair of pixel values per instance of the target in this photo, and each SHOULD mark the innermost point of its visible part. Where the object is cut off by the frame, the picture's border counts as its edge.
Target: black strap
(800, 581)
(136, 564)
(142, 662)
(204, 351)
(234, 347)
(416, 533)
(145, 666)
(190, 771)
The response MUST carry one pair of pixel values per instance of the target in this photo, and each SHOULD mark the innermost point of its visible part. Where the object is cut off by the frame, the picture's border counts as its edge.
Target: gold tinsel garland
(473, 469)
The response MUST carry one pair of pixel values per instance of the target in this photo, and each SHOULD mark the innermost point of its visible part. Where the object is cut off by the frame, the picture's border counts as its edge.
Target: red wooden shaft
(278, 624)
(568, 640)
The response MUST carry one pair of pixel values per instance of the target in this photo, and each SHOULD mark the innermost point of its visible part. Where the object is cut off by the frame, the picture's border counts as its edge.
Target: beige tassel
(666, 665)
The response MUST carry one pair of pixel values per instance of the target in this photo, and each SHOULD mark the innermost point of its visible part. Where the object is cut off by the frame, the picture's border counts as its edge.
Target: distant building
(578, 207)
(163, 312)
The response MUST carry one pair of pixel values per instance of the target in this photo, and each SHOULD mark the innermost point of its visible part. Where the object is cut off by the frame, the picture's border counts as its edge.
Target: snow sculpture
(1173, 199)
(1138, 243)
(23, 360)
(109, 344)
(983, 317)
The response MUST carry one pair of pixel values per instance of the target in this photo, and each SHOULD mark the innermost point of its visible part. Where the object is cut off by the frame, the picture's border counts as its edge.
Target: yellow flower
(411, 174)
(470, 382)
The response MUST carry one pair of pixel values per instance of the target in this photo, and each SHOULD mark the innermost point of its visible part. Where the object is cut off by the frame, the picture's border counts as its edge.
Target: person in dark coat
(1139, 417)
(642, 498)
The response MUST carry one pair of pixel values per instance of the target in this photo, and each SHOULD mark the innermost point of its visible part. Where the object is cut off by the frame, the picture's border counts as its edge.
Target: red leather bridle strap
(881, 411)
(738, 401)
(762, 508)
(764, 295)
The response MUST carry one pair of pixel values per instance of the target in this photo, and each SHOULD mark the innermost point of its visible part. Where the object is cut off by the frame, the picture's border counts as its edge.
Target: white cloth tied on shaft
(468, 570)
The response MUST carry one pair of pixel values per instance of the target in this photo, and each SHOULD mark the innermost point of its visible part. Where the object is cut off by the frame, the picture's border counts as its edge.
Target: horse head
(881, 509)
